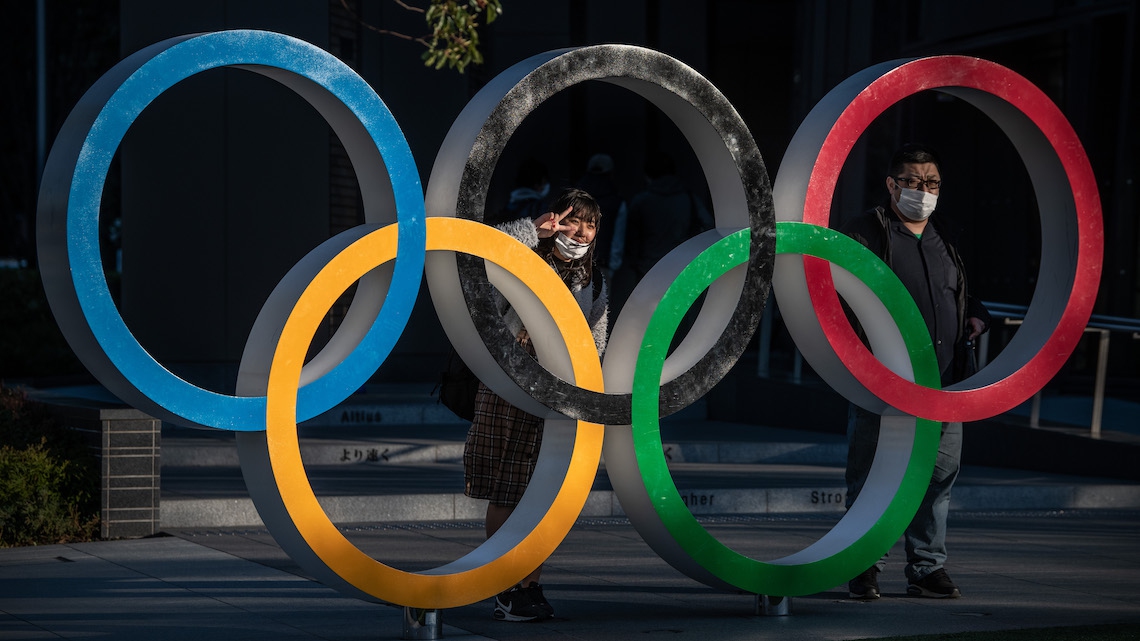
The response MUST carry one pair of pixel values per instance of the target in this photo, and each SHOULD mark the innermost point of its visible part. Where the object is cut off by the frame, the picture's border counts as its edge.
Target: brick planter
(127, 443)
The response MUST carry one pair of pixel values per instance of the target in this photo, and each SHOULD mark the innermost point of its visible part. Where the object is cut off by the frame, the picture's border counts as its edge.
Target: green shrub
(49, 479)
(35, 506)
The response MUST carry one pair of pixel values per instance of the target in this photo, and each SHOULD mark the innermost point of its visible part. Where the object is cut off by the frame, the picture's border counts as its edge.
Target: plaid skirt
(501, 450)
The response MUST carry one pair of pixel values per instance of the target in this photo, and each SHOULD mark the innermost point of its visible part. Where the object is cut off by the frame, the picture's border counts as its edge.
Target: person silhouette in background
(599, 182)
(528, 197)
(660, 217)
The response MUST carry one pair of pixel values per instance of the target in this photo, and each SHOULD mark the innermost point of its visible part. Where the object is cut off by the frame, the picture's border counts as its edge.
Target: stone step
(240, 512)
(406, 451)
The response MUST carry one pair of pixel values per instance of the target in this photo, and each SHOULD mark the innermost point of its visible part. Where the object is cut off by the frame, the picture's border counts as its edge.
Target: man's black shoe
(936, 585)
(865, 586)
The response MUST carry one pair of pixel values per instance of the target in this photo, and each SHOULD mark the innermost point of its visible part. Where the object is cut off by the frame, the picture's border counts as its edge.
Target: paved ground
(1028, 549)
(1016, 570)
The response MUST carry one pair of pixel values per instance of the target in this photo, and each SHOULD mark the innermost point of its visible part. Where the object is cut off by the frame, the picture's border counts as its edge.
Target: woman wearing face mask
(503, 442)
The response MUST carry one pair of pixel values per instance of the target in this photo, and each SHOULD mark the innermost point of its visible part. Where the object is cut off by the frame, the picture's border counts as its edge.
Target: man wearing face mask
(906, 237)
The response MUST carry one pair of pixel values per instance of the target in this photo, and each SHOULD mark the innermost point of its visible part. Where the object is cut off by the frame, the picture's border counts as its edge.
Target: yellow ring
(440, 588)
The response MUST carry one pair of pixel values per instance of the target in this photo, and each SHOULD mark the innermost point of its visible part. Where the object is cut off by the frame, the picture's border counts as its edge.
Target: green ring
(780, 578)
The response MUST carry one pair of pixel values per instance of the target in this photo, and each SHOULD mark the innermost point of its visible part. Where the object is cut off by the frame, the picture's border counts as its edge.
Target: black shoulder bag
(457, 388)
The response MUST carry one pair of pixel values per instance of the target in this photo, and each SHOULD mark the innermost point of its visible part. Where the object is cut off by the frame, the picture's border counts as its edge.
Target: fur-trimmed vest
(593, 300)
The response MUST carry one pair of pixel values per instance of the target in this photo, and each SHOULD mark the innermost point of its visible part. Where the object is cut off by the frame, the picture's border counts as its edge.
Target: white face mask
(569, 247)
(915, 204)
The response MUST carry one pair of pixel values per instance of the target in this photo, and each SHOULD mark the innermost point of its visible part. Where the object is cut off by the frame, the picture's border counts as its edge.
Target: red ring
(888, 89)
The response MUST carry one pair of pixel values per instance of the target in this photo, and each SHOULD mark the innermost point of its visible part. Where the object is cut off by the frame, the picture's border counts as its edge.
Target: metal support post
(773, 606)
(983, 350)
(764, 355)
(1101, 375)
(422, 624)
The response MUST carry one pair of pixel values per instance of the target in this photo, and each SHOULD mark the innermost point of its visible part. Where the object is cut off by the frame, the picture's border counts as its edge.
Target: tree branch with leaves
(453, 41)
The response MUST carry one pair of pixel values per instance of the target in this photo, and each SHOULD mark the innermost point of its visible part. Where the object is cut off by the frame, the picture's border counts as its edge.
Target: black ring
(725, 147)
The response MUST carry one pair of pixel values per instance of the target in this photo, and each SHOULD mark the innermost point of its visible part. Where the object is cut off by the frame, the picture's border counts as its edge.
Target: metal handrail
(1011, 315)
(1098, 323)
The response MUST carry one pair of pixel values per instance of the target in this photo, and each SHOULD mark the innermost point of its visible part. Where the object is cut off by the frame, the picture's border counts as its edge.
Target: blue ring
(166, 68)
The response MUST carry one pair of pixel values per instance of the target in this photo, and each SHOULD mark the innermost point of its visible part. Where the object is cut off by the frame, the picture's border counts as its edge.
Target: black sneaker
(865, 586)
(538, 599)
(516, 604)
(936, 585)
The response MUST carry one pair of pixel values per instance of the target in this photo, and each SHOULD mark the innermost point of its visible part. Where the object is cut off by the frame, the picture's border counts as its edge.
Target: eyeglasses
(915, 183)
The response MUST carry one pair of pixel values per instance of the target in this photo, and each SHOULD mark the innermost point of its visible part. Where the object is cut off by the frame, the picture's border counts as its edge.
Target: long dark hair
(586, 209)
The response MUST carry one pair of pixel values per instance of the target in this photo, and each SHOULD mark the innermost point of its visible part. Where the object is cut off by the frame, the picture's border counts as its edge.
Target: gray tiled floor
(1016, 570)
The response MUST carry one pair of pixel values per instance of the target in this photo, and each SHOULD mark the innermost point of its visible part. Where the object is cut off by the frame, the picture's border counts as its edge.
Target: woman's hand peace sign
(550, 223)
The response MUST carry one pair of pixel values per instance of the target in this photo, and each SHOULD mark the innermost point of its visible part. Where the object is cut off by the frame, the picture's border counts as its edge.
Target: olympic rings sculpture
(582, 399)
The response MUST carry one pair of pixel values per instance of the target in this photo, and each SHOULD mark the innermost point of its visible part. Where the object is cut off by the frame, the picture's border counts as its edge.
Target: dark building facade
(229, 179)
